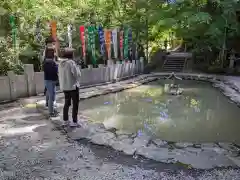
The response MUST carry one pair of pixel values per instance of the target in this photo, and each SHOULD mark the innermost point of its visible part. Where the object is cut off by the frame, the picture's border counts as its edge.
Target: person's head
(49, 53)
(68, 53)
(50, 42)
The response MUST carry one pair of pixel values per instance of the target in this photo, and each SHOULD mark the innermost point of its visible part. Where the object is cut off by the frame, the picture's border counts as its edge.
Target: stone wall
(32, 83)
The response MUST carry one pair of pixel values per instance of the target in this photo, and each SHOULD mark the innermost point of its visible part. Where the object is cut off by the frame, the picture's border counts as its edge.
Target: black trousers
(71, 96)
(45, 91)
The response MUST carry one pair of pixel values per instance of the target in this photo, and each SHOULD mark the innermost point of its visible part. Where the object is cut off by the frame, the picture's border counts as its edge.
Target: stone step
(174, 64)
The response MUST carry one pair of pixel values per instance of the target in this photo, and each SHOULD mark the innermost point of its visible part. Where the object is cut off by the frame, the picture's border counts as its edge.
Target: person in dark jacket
(50, 42)
(50, 77)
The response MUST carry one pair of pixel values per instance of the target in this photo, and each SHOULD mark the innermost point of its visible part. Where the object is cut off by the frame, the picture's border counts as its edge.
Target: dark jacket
(50, 69)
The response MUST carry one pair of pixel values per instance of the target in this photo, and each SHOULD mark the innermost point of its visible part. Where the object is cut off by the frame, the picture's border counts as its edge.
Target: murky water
(200, 114)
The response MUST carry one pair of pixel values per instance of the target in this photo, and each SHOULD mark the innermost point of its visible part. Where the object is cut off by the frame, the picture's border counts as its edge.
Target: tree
(206, 26)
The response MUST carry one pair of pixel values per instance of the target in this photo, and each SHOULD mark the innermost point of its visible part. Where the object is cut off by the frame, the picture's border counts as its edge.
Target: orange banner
(108, 37)
(54, 29)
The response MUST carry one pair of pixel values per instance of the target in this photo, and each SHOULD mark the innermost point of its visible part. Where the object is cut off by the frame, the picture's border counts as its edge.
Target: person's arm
(75, 70)
(43, 55)
(56, 67)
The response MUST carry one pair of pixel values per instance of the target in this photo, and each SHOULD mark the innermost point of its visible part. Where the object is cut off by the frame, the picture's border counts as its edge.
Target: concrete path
(32, 148)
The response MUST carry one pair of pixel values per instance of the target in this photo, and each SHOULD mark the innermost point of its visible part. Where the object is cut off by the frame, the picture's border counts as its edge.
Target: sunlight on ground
(42, 147)
(34, 105)
(22, 130)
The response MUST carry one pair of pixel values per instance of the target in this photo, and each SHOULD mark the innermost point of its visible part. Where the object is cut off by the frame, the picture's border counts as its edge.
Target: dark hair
(68, 53)
(49, 53)
(49, 39)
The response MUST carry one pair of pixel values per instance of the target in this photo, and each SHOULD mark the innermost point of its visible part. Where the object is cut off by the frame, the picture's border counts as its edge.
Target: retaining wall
(32, 83)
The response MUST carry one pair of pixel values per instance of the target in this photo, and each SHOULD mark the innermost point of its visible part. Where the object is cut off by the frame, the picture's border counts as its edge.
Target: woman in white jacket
(69, 80)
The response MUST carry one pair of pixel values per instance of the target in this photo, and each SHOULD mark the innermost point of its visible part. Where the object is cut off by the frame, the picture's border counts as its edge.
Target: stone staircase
(175, 62)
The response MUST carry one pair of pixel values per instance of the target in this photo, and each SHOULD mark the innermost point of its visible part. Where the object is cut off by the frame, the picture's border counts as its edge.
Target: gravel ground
(31, 148)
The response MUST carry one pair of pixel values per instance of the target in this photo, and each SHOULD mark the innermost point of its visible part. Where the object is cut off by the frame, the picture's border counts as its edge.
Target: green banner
(125, 43)
(14, 30)
(91, 43)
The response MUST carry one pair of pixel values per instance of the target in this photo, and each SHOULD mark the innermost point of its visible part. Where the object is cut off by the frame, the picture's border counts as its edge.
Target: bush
(215, 70)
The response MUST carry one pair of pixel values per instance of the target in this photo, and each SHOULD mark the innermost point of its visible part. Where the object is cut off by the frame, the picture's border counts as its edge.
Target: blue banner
(101, 40)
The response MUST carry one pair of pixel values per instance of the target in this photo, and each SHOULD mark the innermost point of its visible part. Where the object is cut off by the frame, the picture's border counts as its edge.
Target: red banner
(82, 38)
(108, 37)
(121, 45)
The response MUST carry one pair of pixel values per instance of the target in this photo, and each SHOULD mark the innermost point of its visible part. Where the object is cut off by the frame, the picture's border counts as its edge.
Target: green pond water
(200, 114)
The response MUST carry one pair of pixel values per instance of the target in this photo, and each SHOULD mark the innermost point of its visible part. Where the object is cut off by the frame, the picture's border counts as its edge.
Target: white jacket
(69, 75)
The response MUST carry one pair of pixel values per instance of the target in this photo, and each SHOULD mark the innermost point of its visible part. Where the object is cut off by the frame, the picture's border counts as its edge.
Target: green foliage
(202, 24)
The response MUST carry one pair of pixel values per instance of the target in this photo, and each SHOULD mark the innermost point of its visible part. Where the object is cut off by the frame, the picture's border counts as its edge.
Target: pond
(200, 114)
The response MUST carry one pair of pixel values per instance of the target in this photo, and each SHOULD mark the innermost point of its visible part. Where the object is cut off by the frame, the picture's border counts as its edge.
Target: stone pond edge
(93, 131)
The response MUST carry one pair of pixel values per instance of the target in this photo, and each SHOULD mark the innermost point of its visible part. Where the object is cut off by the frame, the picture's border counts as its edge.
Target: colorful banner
(115, 43)
(121, 45)
(91, 42)
(130, 42)
(101, 40)
(70, 28)
(108, 38)
(125, 45)
(82, 38)
(14, 30)
(53, 25)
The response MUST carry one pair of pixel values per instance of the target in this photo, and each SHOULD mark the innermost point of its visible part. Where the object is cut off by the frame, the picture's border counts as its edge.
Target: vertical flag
(82, 38)
(38, 31)
(115, 43)
(136, 52)
(54, 29)
(70, 28)
(91, 42)
(130, 42)
(53, 25)
(14, 30)
(108, 42)
(101, 39)
(121, 45)
(125, 45)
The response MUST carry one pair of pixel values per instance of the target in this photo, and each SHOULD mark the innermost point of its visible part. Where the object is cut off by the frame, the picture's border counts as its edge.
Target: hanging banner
(121, 45)
(38, 35)
(136, 52)
(91, 42)
(108, 42)
(53, 25)
(14, 31)
(82, 38)
(125, 44)
(130, 42)
(115, 43)
(101, 40)
(70, 29)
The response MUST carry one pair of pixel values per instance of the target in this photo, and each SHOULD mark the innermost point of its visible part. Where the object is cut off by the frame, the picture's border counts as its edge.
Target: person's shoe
(56, 111)
(55, 104)
(54, 114)
(75, 124)
(66, 123)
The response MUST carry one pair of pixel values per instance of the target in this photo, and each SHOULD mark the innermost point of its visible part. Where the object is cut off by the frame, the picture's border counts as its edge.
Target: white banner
(70, 36)
(136, 52)
(115, 42)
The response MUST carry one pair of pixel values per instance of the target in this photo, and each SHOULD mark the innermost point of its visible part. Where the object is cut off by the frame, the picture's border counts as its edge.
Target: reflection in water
(200, 114)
